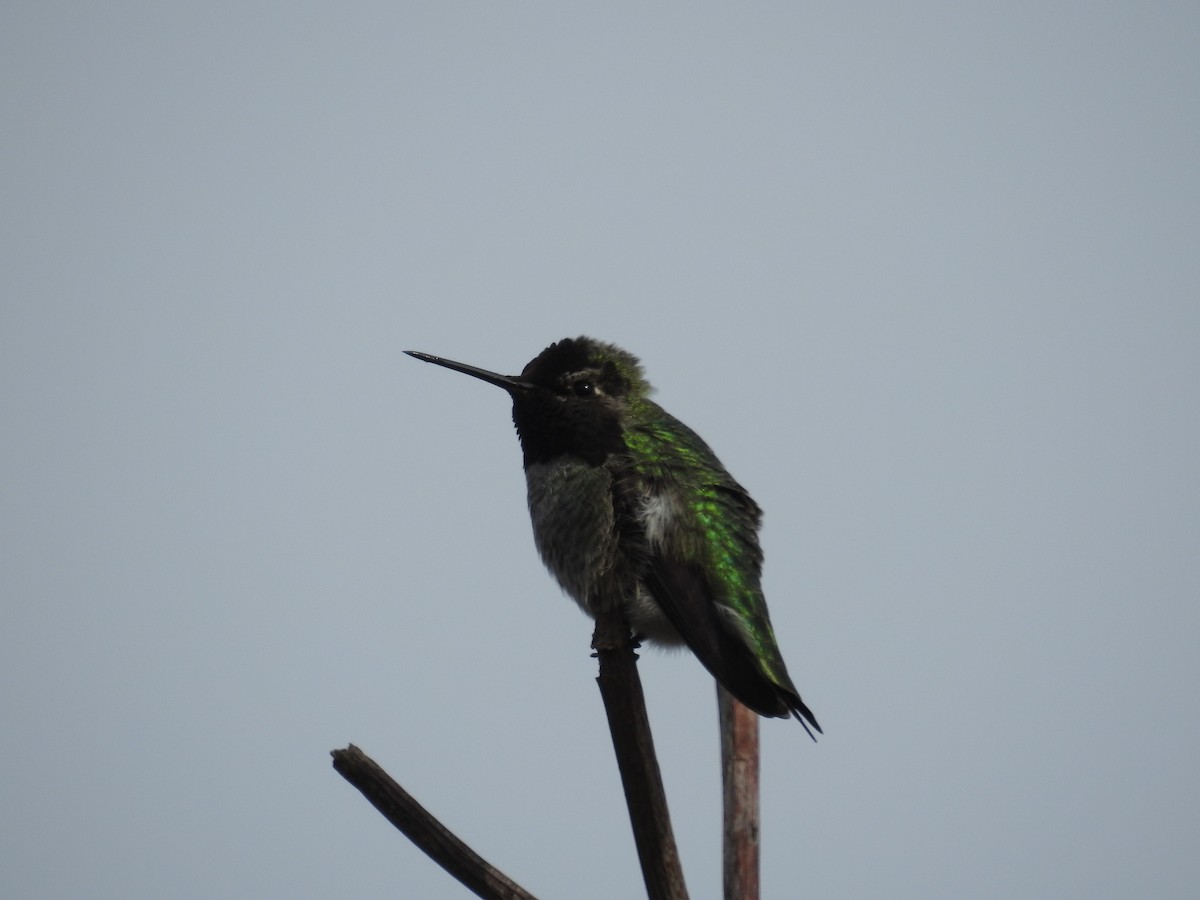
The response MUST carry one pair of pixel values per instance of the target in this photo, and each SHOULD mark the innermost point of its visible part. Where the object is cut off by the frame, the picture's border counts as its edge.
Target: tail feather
(683, 595)
(802, 714)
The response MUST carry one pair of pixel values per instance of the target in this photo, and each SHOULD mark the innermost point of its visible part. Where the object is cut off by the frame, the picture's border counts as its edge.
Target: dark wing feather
(683, 594)
(703, 571)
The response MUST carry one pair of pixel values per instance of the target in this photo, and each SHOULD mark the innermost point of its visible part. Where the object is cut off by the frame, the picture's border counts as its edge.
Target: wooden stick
(625, 704)
(740, 793)
(430, 835)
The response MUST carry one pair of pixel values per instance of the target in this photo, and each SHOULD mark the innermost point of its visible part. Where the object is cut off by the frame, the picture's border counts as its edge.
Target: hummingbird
(630, 507)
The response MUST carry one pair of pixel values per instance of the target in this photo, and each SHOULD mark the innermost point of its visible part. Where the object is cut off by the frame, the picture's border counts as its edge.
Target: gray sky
(925, 276)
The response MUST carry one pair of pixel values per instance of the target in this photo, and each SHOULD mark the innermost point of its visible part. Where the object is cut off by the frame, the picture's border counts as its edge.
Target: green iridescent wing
(704, 564)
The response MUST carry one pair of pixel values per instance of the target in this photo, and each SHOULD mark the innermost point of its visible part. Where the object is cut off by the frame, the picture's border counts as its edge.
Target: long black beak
(510, 383)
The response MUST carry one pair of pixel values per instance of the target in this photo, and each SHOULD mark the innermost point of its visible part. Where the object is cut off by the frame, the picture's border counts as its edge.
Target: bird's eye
(582, 388)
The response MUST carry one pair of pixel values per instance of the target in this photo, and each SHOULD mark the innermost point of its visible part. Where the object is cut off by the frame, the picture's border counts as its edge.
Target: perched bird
(630, 506)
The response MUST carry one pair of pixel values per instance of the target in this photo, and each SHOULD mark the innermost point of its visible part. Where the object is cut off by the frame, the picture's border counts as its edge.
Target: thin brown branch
(430, 835)
(625, 704)
(740, 784)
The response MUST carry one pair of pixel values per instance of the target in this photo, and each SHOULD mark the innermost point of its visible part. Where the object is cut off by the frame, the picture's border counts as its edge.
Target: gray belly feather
(574, 529)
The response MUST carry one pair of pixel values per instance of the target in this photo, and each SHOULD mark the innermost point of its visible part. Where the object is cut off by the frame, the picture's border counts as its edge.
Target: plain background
(926, 276)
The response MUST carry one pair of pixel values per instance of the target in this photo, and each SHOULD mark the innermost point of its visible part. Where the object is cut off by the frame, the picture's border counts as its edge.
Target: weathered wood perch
(739, 780)
(621, 688)
(420, 827)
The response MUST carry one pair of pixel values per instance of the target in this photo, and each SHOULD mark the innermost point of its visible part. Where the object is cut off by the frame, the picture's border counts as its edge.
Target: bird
(630, 506)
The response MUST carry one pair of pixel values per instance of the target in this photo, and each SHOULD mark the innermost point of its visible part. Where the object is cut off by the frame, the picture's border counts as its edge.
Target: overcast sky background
(926, 277)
